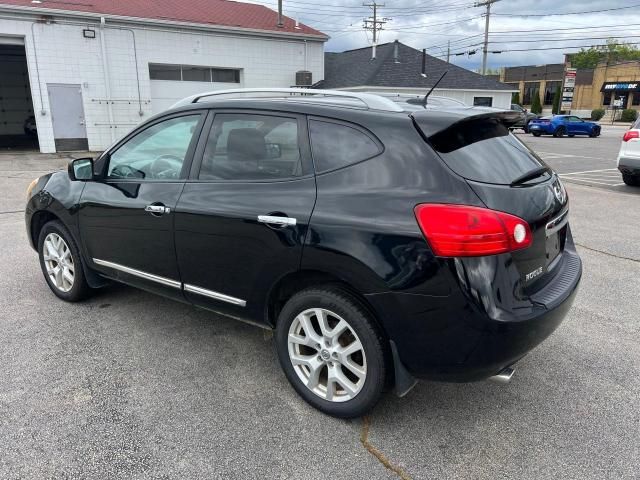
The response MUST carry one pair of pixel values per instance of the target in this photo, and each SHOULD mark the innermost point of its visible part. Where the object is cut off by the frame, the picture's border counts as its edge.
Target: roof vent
(395, 52)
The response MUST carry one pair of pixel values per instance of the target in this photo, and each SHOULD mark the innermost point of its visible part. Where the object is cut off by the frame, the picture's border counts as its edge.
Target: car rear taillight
(629, 134)
(466, 231)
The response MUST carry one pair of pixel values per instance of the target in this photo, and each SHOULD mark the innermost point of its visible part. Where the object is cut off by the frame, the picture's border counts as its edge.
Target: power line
(565, 13)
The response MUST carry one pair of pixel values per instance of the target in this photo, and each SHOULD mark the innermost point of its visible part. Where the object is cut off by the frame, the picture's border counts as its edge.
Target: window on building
(226, 75)
(192, 73)
(550, 90)
(482, 101)
(164, 72)
(529, 89)
(196, 74)
(327, 138)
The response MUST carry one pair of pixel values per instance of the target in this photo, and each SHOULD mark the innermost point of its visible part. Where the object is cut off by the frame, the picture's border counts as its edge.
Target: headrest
(246, 144)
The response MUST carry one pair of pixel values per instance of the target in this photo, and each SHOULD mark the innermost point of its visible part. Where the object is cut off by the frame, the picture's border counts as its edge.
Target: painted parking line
(609, 177)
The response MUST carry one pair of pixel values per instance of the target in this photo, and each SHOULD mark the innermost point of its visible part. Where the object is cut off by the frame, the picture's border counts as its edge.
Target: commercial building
(608, 86)
(90, 71)
(529, 79)
(397, 68)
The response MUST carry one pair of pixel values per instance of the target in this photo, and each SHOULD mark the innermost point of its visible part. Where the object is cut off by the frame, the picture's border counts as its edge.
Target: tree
(536, 106)
(515, 98)
(556, 102)
(613, 51)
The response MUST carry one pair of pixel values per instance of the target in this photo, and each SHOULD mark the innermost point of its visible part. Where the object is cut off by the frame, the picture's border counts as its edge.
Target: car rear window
(484, 150)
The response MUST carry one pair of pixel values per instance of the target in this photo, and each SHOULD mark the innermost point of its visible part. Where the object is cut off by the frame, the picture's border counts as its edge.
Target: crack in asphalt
(608, 253)
(364, 439)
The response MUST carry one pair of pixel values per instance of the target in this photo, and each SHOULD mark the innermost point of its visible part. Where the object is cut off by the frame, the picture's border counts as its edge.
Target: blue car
(561, 125)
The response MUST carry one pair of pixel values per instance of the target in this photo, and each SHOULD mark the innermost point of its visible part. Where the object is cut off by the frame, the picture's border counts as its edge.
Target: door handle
(157, 209)
(274, 220)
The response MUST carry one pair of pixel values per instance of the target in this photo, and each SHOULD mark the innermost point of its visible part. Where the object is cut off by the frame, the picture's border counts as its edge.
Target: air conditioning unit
(304, 78)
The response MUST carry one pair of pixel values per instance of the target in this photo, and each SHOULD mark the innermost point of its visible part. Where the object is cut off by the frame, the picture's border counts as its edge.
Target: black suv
(381, 244)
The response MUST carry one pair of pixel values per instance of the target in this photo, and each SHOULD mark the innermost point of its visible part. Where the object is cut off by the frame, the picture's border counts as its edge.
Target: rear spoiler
(434, 121)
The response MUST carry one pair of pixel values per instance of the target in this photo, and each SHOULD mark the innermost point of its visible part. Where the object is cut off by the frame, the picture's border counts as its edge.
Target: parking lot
(129, 385)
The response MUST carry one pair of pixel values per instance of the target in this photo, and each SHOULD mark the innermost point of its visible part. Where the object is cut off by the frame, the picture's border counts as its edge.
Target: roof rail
(369, 100)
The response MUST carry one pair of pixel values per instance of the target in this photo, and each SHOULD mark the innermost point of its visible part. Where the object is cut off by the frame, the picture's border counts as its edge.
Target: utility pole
(486, 3)
(448, 50)
(373, 24)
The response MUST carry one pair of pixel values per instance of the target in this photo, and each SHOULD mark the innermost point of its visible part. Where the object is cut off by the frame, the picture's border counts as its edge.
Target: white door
(67, 115)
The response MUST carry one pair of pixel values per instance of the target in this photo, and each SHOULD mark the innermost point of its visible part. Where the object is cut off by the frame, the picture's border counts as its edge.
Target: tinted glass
(482, 101)
(484, 151)
(196, 74)
(336, 145)
(226, 75)
(251, 147)
(156, 153)
(164, 72)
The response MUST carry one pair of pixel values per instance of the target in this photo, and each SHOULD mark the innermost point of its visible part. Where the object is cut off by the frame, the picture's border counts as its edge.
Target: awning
(633, 86)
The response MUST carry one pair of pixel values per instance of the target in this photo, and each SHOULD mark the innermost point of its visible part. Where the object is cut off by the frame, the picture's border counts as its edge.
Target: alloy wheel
(327, 355)
(58, 262)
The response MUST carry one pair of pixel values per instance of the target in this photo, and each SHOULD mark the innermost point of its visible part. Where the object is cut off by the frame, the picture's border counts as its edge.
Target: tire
(525, 128)
(631, 180)
(560, 131)
(331, 306)
(58, 243)
(536, 134)
(571, 135)
(594, 133)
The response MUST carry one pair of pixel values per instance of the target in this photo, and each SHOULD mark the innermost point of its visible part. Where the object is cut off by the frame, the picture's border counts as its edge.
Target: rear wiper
(530, 175)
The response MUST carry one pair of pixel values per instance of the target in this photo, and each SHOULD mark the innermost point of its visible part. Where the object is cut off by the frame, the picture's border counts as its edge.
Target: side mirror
(81, 169)
(524, 110)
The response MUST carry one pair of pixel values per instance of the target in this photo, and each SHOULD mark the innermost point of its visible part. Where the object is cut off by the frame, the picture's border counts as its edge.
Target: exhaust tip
(504, 376)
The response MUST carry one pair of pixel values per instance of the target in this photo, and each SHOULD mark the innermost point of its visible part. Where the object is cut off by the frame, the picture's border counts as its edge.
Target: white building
(89, 72)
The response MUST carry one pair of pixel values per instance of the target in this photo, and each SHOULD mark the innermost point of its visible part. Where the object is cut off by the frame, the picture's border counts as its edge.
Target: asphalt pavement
(132, 386)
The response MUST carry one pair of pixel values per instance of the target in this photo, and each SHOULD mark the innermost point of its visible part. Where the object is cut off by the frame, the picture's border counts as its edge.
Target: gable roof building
(398, 67)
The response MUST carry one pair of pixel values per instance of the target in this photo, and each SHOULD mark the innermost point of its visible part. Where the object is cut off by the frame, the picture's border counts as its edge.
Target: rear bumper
(629, 165)
(468, 336)
(548, 129)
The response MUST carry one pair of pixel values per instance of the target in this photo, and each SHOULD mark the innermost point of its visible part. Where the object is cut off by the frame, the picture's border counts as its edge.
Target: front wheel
(61, 263)
(594, 133)
(331, 352)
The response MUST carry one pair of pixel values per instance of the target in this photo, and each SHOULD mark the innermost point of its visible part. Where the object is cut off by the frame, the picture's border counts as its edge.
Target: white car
(629, 156)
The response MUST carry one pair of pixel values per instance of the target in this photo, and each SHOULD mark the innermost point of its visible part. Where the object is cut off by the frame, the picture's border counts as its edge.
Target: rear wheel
(331, 352)
(560, 132)
(632, 180)
(61, 263)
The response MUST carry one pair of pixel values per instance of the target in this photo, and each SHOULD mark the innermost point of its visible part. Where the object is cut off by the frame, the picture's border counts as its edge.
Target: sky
(526, 32)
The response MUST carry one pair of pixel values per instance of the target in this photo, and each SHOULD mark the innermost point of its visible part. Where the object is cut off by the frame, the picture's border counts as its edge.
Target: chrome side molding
(172, 283)
(215, 295)
(139, 273)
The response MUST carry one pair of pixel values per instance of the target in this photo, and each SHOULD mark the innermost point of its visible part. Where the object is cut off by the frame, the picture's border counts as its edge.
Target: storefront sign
(620, 86)
(567, 88)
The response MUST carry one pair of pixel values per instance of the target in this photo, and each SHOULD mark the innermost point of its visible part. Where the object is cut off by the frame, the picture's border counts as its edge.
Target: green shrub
(536, 106)
(515, 98)
(597, 114)
(629, 115)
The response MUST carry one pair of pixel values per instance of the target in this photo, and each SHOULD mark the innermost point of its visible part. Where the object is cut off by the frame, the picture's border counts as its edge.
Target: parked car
(380, 244)
(629, 156)
(561, 125)
(524, 118)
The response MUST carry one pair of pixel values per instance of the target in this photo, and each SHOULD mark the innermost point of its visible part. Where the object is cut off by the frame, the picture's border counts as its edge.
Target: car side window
(244, 146)
(336, 145)
(156, 153)
(575, 119)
